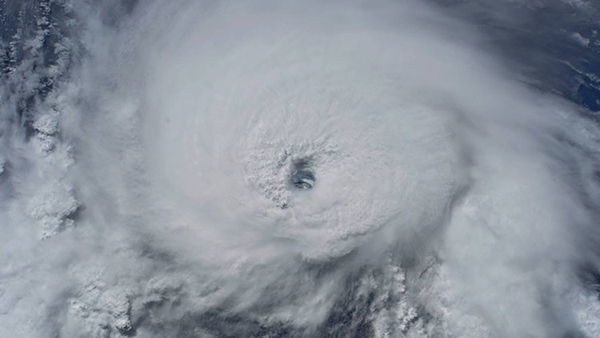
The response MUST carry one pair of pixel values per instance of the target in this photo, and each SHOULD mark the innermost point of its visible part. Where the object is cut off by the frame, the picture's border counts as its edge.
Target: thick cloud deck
(291, 169)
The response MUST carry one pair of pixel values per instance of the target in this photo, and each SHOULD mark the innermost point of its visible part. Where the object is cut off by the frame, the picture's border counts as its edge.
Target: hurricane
(299, 169)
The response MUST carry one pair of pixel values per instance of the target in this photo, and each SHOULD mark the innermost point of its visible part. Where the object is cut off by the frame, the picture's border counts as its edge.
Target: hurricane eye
(302, 174)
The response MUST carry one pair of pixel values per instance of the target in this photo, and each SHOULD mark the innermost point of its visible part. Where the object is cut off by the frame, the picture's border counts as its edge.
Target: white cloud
(448, 198)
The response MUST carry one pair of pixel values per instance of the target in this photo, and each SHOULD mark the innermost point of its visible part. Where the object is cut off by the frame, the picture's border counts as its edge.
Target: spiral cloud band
(290, 169)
